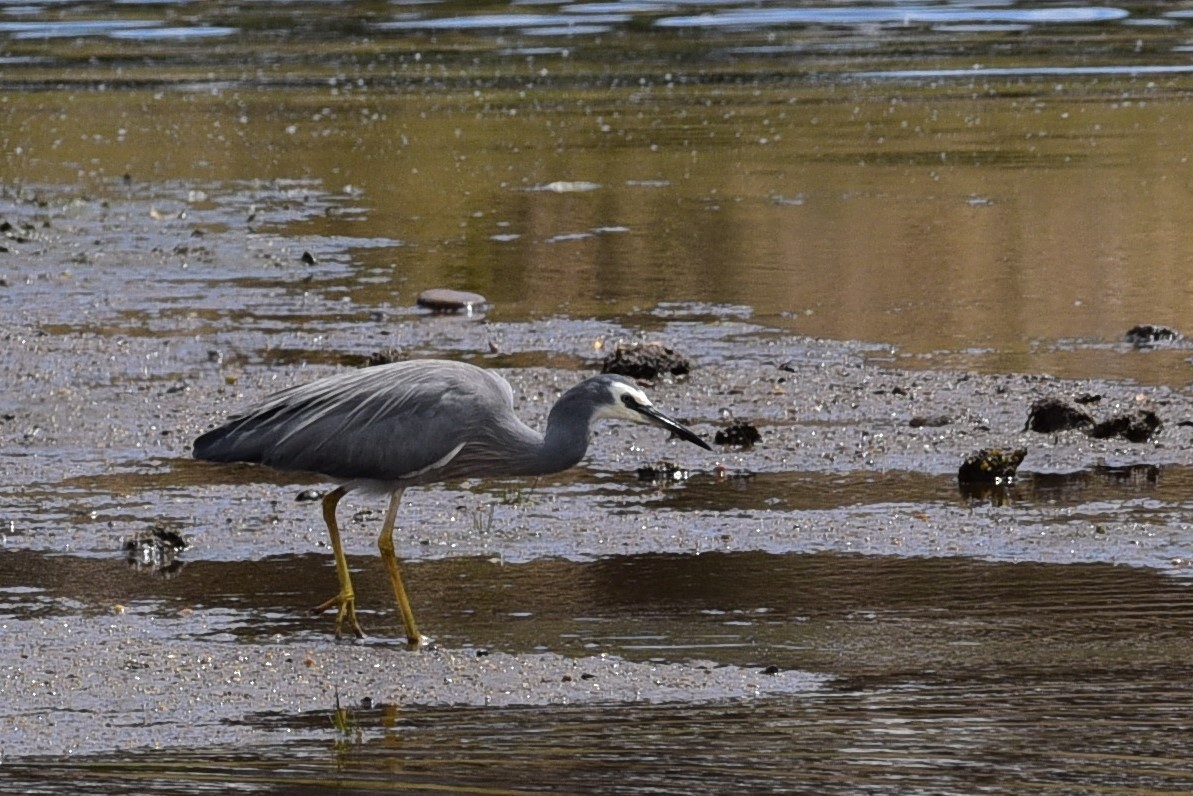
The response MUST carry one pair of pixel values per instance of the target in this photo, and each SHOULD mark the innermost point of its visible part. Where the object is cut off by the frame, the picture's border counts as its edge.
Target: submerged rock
(156, 551)
(1146, 335)
(991, 466)
(645, 361)
(1049, 415)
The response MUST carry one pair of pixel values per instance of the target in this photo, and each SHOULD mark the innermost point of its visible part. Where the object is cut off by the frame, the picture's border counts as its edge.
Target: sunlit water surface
(1002, 187)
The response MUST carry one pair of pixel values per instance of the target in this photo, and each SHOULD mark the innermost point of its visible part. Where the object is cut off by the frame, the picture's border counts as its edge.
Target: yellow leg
(345, 601)
(385, 542)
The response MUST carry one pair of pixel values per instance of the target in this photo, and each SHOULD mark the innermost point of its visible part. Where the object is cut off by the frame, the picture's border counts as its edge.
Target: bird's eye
(629, 401)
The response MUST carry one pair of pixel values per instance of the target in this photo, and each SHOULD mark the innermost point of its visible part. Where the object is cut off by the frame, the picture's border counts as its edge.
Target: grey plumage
(422, 421)
(381, 424)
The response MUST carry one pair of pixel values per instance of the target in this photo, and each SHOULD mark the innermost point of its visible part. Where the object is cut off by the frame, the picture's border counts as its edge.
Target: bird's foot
(345, 605)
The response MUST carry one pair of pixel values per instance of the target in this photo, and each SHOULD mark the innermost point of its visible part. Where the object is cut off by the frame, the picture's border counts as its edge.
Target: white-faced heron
(386, 428)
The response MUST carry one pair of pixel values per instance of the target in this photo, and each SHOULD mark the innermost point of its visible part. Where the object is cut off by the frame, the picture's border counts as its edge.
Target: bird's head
(621, 399)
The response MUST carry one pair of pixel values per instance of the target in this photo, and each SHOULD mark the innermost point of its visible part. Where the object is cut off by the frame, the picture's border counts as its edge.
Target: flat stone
(441, 299)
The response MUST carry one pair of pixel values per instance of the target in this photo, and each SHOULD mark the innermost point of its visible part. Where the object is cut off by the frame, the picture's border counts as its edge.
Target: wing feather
(378, 424)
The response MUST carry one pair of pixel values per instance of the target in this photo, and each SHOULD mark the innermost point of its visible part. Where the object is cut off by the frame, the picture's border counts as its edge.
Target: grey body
(393, 426)
(416, 422)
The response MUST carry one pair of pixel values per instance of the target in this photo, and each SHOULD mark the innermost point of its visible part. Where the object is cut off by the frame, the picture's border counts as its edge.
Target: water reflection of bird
(386, 428)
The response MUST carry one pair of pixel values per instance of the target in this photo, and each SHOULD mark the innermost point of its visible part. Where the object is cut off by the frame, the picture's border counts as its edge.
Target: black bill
(674, 426)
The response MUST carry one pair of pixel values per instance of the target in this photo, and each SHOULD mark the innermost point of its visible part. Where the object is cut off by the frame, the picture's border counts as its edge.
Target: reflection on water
(898, 16)
(847, 615)
(1020, 172)
(571, 20)
(1033, 674)
(976, 735)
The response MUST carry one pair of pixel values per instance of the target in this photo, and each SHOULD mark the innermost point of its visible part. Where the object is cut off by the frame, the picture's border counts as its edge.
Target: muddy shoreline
(108, 377)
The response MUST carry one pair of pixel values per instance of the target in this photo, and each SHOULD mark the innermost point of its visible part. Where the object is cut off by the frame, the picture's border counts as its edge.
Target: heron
(383, 429)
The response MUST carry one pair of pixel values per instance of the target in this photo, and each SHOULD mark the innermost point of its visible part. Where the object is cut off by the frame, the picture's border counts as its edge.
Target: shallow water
(950, 675)
(1021, 172)
(846, 215)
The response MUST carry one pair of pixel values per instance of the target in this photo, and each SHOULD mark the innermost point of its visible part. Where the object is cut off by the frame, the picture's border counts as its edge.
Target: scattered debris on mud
(738, 434)
(645, 361)
(1049, 415)
(1137, 426)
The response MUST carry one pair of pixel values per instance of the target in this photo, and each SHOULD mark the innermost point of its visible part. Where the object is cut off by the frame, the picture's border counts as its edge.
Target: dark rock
(739, 433)
(308, 258)
(1088, 398)
(1052, 414)
(990, 466)
(935, 421)
(645, 361)
(1148, 336)
(308, 496)
(445, 300)
(1138, 426)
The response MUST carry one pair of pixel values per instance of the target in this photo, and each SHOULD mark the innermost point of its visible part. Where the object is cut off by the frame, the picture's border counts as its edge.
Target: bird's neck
(564, 444)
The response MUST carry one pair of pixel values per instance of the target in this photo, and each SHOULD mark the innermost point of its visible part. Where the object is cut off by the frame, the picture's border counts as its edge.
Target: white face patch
(618, 410)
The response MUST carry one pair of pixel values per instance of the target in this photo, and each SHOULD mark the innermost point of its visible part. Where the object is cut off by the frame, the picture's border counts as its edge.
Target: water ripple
(901, 15)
